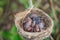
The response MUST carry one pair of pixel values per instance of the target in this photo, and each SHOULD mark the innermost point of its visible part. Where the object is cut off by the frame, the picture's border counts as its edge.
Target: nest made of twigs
(19, 18)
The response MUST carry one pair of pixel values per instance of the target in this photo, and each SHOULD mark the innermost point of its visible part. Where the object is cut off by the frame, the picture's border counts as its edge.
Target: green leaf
(3, 2)
(6, 35)
(24, 2)
(15, 35)
(13, 29)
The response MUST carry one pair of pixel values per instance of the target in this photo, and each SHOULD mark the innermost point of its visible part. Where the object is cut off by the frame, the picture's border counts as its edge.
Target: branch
(30, 4)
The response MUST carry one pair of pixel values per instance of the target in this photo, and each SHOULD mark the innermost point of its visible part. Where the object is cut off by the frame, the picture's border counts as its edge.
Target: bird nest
(21, 16)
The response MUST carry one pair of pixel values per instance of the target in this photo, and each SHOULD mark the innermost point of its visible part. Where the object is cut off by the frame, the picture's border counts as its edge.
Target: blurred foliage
(14, 6)
(3, 3)
(12, 34)
(1, 11)
(47, 38)
(25, 3)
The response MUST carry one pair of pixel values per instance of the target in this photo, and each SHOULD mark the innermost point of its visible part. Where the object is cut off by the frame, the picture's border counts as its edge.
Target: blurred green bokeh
(12, 33)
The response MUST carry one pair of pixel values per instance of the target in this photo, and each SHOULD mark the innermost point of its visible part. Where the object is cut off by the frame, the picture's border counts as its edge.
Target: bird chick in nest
(33, 23)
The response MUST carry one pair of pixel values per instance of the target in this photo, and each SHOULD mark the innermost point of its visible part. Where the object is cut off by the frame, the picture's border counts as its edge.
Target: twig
(51, 37)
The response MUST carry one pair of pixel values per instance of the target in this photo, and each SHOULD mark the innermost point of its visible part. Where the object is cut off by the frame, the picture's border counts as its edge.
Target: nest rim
(34, 33)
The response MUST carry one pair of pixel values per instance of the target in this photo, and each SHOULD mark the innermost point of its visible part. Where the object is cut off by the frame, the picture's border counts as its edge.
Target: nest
(20, 17)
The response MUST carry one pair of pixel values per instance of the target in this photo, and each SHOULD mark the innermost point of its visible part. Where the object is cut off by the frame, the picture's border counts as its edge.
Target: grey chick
(41, 25)
(36, 20)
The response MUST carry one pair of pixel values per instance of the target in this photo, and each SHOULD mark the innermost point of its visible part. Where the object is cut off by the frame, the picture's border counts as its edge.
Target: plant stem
(31, 4)
(53, 11)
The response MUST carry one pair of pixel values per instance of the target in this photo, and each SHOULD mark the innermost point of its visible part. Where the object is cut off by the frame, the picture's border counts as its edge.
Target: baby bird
(33, 23)
(33, 15)
(37, 29)
(27, 25)
(36, 20)
(41, 25)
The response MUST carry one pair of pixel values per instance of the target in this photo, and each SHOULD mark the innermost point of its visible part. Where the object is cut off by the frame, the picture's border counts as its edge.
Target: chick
(27, 25)
(41, 25)
(36, 20)
(37, 29)
(33, 15)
